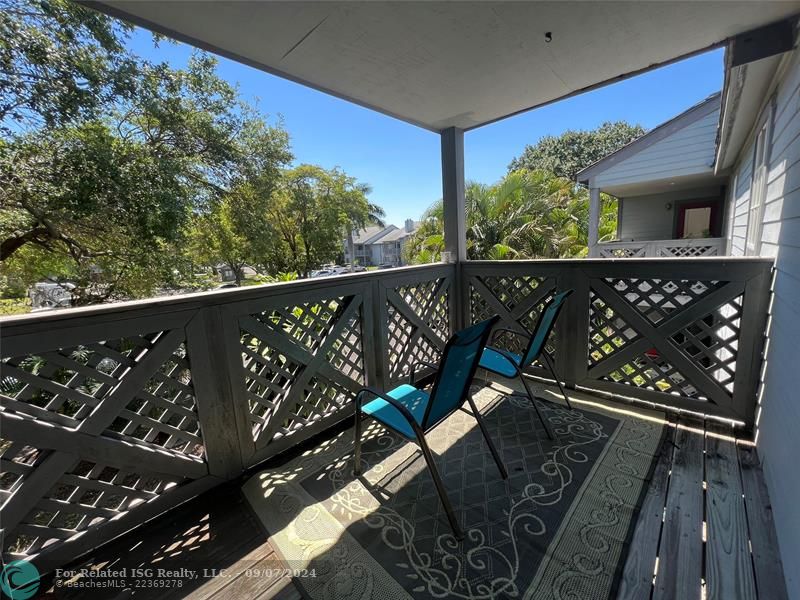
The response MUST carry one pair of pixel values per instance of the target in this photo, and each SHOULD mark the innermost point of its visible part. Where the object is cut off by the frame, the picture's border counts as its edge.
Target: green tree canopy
(566, 154)
(311, 209)
(527, 214)
(100, 193)
(60, 62)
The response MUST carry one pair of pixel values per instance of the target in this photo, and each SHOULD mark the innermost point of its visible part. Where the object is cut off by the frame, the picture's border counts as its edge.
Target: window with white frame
(758, 191)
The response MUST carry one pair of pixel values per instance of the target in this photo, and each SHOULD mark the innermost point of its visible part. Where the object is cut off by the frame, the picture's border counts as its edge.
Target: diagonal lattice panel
(657, 299)
(650, 371)
(401, 335)
(346, 354)
(319, 399)
(305, 324)
(164, 412)
(418, 325)
(421, 296)
(17, 461)
(688, 251)
(512, 293)
(268, 377)
(479, 308)
(65, 385)
(694, 350)
(84, 497)
(287, 348)
(608, 331)
(712, 342)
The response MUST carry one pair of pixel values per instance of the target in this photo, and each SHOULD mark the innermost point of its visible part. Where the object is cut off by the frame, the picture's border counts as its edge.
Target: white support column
(455, 229)
(594, 218)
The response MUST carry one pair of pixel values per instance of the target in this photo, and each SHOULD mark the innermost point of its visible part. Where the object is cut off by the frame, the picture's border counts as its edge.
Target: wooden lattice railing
(686, 334)
(684, 248)
(113, 414)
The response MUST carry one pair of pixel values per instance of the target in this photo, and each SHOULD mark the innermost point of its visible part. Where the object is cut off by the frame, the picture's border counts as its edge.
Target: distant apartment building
(376, 245)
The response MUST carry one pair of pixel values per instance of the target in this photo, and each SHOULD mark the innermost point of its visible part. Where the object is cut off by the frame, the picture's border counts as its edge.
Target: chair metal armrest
(399, 406)
(518, 332)
(412, 376)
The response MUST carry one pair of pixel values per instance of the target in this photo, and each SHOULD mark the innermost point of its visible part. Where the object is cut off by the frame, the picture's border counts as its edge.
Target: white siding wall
(779, 422)
(688, 151)
(740, 201)
(647, 218)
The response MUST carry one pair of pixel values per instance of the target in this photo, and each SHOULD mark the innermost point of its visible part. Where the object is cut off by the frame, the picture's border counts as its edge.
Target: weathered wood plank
(637, 577)
(750, 346)
(213, 379)
(770, 582)
(285, 590)
(257, 556)
(680, 555)
(265, 575)
(729, 570)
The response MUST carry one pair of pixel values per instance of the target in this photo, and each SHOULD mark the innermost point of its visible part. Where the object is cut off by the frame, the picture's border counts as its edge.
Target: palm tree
(361, 213)
(497, 216)
(527, 214)
(427, 243)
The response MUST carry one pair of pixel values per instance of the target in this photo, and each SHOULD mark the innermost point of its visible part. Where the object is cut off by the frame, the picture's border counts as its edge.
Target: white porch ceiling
(444, 64)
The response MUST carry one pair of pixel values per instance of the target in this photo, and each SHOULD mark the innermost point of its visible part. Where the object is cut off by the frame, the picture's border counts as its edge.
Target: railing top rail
(195, 300)
(664, 242)
(566, 262)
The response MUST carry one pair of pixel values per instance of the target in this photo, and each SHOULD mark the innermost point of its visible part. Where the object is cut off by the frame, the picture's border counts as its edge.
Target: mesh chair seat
(416, 401)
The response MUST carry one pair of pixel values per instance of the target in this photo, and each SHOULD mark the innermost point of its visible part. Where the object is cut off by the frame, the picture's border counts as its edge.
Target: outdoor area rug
(559, 527)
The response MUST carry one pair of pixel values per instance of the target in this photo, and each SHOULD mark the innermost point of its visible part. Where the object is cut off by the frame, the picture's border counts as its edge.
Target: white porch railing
(114, 414)
(693, 247)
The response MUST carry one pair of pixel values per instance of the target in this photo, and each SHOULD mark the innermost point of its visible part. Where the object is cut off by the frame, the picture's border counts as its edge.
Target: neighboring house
(380, 245)
(393, 243)
(671, 202)
(729, 168)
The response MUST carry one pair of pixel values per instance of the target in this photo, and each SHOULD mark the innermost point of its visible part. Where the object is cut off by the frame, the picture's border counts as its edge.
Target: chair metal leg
(558, 381)
(357, 443)
(495, 454)
(535, 407)
(448, 508)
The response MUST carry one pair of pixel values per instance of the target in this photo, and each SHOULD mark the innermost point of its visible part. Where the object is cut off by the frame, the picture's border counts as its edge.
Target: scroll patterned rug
(559, 527)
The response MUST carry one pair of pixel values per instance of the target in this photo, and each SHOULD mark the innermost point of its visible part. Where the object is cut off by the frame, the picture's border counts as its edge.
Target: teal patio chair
(412, 412)
(511, 365)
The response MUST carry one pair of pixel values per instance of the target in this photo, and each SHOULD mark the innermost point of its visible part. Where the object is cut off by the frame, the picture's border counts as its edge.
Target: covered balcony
(212, 432)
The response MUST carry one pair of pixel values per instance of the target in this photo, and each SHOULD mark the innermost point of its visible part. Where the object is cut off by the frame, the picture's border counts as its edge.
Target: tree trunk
(238, 273)
(10, 245)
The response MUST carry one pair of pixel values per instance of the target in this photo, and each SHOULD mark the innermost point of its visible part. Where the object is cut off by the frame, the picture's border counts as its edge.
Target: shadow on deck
(704, 526)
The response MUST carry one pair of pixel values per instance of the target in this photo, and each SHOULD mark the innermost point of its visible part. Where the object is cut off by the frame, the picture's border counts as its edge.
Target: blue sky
(401, 161)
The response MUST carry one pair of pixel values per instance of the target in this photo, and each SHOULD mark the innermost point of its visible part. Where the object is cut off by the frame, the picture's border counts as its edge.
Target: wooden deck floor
(704, 531)
(214, 532)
